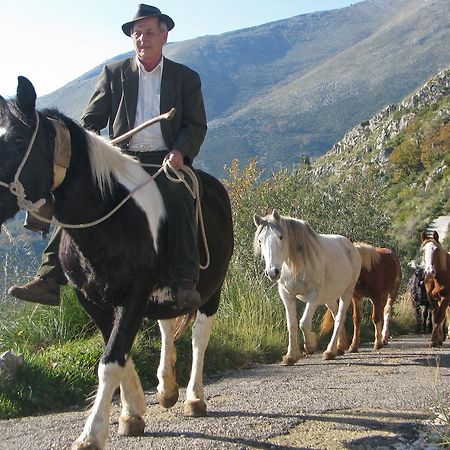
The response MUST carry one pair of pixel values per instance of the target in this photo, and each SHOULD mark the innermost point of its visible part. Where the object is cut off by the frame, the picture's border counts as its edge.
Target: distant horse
(117, 267)
(316, 268)
(417, 292)
(379, 280)
(437, 283)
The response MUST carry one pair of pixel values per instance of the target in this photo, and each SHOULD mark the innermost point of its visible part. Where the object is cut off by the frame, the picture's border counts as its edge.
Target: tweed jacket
(114, 103)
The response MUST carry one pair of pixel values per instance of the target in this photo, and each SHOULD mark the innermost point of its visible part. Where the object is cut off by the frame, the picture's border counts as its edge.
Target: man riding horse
(128, 93)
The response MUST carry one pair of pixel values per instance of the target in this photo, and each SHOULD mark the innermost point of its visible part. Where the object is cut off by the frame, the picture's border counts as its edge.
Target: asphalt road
(370, 400)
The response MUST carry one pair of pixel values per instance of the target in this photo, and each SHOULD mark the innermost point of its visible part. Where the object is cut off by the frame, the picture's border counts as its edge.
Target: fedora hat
(147, 11)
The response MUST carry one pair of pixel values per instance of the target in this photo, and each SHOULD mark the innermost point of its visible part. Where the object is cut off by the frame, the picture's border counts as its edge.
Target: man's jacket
(114, 102)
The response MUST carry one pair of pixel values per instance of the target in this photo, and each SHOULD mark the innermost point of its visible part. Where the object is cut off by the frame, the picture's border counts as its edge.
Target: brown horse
(437, 283)
(379, 280)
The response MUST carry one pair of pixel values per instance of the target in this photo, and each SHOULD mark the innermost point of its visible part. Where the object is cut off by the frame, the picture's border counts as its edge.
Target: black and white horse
(116, 267)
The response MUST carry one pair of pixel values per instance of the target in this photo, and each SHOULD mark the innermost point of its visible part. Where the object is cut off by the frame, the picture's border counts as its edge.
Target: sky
(52, 42)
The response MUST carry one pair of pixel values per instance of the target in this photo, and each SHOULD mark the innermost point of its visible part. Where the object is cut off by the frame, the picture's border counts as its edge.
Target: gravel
(394, 398)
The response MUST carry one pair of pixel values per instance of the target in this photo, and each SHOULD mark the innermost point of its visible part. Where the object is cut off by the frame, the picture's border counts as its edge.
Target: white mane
(108, 162)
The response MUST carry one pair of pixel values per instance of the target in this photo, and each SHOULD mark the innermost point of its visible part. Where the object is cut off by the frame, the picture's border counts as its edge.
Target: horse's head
(271, 242)
(25, 162)
(431, 251)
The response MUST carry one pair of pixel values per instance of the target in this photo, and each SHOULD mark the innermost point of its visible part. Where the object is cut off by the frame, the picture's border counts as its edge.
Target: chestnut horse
(437, 283)
(379, 281)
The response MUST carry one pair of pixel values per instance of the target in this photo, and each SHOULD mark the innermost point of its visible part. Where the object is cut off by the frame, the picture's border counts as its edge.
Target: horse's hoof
(327, 356)
(167, 401)
(378, 346)
(131, 426)
(85, 445)
(434, 344)
(353, 349)
(340, 352)
(196, 408)
(287, 361)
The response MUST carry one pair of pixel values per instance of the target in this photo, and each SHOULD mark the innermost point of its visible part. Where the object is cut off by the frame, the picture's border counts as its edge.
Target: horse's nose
(273, 274)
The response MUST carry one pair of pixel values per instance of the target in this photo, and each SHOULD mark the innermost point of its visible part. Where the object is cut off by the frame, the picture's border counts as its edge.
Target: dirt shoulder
(369, 400)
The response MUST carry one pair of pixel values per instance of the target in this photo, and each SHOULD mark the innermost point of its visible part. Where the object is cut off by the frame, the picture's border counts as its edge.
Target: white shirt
(148, 106)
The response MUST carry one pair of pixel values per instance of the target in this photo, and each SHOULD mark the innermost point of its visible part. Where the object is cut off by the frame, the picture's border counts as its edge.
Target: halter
(16, 188)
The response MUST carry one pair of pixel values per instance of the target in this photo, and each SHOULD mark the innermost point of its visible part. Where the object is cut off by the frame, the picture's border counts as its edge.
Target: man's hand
(175, 158)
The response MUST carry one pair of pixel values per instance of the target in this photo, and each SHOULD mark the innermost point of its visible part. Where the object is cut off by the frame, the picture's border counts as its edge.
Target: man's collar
(142, 68)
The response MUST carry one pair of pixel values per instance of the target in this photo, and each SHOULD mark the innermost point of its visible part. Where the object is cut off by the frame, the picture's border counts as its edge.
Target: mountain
(295, 86)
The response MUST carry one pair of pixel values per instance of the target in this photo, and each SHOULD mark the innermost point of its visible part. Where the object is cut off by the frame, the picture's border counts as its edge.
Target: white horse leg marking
(194, 404)
(290, 305)
(309, 336)
(387, 314)
(133, 402)
(167, 390)
(95, 429)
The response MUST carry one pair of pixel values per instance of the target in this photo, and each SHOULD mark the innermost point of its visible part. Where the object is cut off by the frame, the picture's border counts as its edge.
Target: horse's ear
(436, 236)
(257, 220)
(26, 95)
(423, 236)
(276, 215)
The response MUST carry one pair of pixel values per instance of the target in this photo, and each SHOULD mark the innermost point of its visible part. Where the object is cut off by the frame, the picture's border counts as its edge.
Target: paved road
(368, 400)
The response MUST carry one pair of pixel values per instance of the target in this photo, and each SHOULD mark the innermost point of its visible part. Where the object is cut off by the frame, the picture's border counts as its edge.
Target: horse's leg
(354, 347)
(133, 402)
(167, 390)
(131, 392)
(309, 336)
(378, 303)
(127, 320)
(339, 322)
(194, 405)
(342, 343)
(290, 305)
(439, 313)
(386, 332)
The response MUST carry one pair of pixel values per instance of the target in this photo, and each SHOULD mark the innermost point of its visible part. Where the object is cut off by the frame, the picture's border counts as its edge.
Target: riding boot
(45, 287)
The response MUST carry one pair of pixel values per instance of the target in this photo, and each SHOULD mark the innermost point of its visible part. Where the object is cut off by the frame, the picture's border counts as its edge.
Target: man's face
(148, 39)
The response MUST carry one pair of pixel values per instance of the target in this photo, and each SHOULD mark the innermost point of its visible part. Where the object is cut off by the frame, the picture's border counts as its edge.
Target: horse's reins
(17, 189)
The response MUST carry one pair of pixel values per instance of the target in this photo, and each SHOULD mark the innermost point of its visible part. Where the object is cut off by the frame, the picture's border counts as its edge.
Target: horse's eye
(281, 237)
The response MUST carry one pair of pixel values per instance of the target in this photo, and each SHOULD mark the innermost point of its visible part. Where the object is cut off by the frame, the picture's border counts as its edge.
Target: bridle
(61, 163)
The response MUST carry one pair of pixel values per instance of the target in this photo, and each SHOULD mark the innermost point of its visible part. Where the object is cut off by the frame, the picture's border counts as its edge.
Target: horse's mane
(369, 255)
(105, 159)
(304, 245)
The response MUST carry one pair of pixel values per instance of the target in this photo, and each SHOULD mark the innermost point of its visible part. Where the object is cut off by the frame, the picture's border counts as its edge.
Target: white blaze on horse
(437, 284)
(315, 268)
(118, 266)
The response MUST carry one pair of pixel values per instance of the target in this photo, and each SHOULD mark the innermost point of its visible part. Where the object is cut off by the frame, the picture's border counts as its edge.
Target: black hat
(147, 11)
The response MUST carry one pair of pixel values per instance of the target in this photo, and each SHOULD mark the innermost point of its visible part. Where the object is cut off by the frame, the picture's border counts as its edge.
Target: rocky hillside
(408, 144)
(371, 142)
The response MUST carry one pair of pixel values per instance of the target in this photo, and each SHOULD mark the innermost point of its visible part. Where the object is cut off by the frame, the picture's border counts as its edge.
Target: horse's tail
(327, 323)
(182, 324)
(369, 255)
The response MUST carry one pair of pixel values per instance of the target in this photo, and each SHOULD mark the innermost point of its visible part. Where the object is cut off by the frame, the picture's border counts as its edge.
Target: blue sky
(53, 42)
